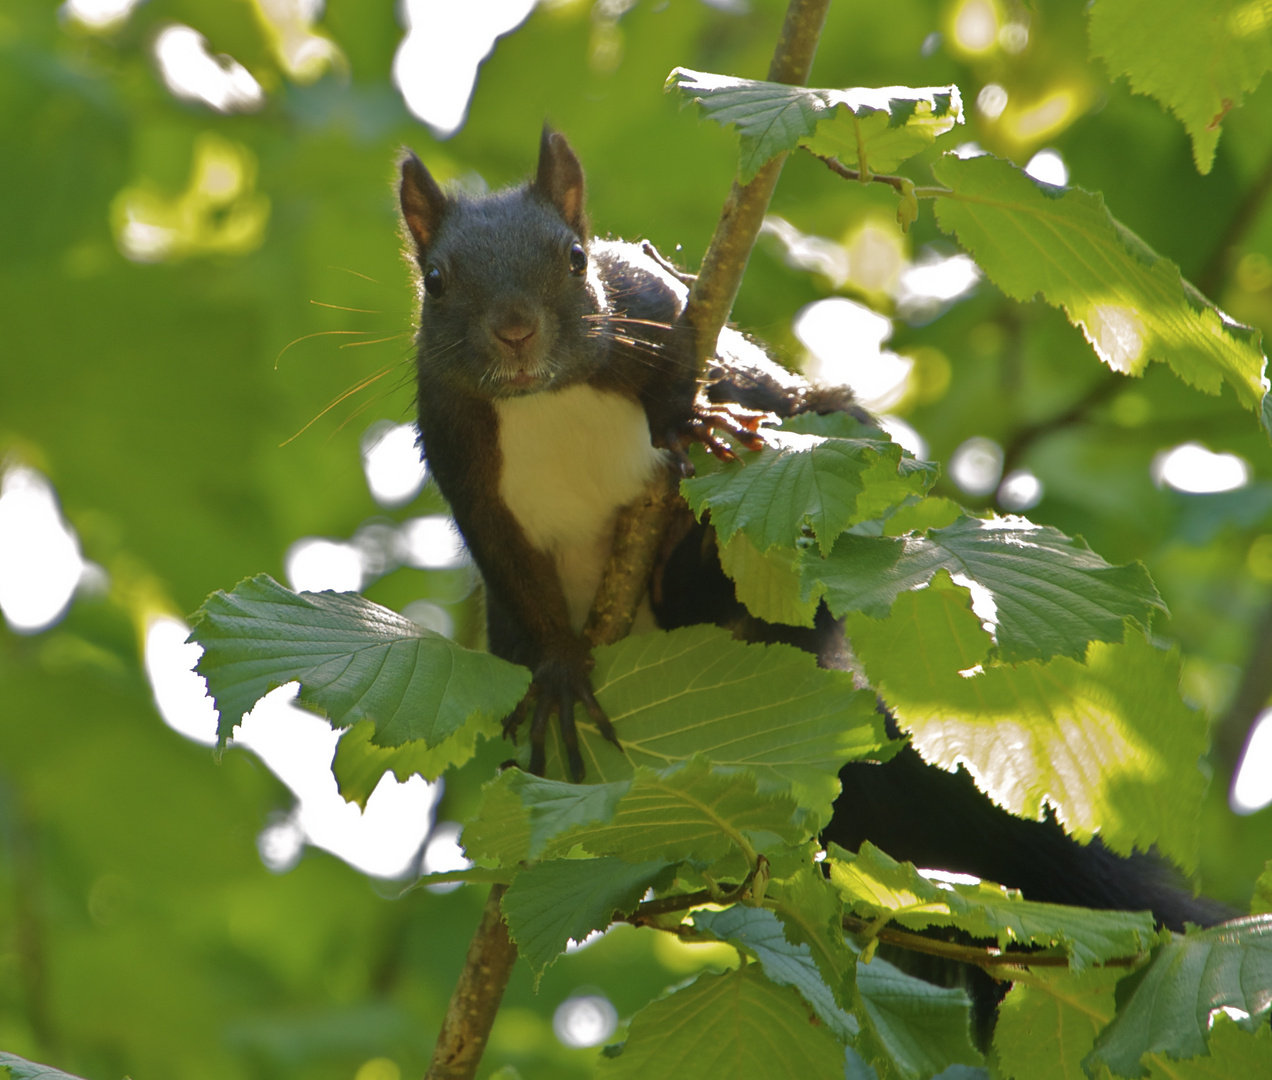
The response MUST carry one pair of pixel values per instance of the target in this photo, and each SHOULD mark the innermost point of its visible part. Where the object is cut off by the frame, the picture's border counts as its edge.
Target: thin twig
(840, 169)
(980, 956)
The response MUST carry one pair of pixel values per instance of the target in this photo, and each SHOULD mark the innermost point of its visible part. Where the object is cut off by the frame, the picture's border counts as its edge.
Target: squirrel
(550, 391)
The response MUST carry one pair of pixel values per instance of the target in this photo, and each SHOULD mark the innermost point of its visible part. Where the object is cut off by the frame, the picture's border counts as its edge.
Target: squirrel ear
(422, 201)
(560, 179)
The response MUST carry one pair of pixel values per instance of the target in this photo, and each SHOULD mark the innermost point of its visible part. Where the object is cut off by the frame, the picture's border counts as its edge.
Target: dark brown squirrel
(549, 392)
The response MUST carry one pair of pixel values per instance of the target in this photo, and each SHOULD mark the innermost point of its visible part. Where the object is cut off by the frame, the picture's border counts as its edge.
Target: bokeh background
(205, 373)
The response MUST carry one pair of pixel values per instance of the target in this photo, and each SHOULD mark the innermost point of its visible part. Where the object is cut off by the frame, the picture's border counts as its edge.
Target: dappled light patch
(219, 213)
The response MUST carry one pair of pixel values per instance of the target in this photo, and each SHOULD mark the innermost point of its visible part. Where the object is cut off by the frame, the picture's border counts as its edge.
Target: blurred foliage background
(168, 275)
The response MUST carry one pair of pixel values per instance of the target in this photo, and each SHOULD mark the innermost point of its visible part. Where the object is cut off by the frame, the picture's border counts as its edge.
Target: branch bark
(480, 989)
(638, 534)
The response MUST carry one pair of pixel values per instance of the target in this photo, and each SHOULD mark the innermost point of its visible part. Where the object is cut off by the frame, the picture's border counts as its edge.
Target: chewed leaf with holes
(1130, 302)
(1108, 743)
(811, 479)
(688, 811)
(1199, 60)
(1045, 593)
(869, 129)
(873, 884)
(354, 661)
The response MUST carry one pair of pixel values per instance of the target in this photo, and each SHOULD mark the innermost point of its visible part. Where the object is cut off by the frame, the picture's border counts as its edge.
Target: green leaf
(1198, 60)
(874, 884)
(360, 764)
(759, 932)
(767, 583)
(805, 480)
(1130, 302)
(812, 914)
(21, 1069)
(1049, 1020)
(687, 811)
(1108, 744)
(734, 1024)
(1166, 1007)
(1234, 1052)
(1047, 594)
(552, 903)
(696, 691)
(354, 660)
(911, 1028)
(870, 129)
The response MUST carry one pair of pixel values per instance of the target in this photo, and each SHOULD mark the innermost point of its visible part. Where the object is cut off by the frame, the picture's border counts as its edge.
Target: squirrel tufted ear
(422, 201)
(560, 179)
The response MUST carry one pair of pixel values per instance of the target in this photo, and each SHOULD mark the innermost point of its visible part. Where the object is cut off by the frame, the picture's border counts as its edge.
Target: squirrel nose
(516, 332)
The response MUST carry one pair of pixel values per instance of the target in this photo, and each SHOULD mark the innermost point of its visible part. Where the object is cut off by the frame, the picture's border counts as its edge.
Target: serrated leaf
(21, 1069)
(1048, 1022)
(687, 811)
(1046, 593)
(1198, 60)
(870, 129)
(768, 583)
(760, 933)
(1234, 1052)
(696, 691)
(874, 884)
(1130, 302)
(911, 1028)
(551, 903)
(1109, 743)
(734, 1024)
(354, 660)
(1166, 1007)
(824, 483)
(359, 764)
(812, 914)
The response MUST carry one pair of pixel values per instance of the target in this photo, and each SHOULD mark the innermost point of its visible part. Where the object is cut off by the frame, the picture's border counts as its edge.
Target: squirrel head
(506, 279)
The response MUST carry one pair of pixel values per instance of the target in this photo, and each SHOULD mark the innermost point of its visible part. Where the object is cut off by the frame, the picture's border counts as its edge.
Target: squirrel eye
(578, 259)
(433, 282)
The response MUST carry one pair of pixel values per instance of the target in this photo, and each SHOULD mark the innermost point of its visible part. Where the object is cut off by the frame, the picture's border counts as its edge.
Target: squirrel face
(511, 302)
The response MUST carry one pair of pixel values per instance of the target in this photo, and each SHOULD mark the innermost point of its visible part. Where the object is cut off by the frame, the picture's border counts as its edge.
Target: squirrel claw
(742, 424)
(555, 690)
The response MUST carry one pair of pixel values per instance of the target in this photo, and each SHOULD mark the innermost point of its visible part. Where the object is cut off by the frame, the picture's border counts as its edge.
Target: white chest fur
(571, 459)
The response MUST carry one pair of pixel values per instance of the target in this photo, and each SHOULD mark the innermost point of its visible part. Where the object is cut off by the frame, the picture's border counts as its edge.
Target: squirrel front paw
(558, 683)
(708, 417)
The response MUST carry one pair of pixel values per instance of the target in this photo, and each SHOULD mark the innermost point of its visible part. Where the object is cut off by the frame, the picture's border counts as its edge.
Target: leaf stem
(899, 183)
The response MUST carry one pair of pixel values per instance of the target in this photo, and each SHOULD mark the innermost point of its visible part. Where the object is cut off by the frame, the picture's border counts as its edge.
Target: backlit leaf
(1198, 60)
(1130, 302)
(1108, 744)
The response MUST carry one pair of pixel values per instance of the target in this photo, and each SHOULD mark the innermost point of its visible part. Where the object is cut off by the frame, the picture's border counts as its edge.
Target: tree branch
(638, 534)
(473, 1005)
